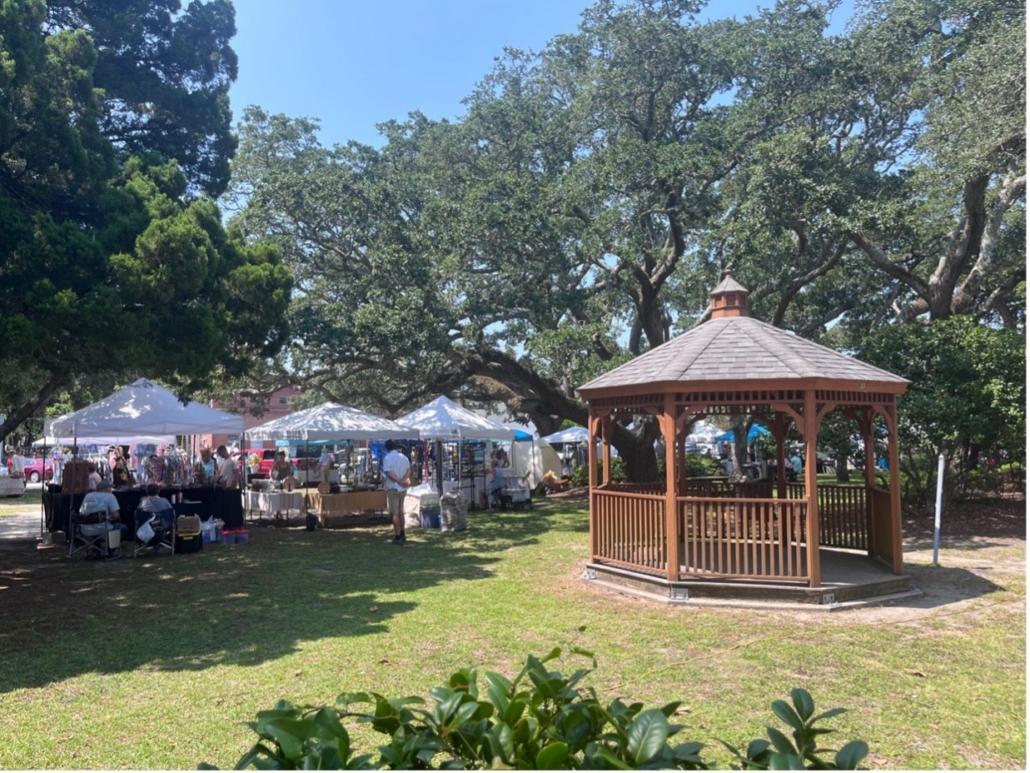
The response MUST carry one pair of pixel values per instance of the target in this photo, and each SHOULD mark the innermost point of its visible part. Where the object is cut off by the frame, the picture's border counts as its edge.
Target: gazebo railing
(843, 517)
(628, 529)
(636, 488)
(721, 487)
(742, 537)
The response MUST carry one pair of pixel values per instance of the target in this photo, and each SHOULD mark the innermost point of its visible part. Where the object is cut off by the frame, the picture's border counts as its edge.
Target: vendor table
(226, 504)
(268, 503)
(349, 503)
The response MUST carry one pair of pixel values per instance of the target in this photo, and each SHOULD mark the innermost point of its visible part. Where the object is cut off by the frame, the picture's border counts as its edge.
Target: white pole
(937, 510)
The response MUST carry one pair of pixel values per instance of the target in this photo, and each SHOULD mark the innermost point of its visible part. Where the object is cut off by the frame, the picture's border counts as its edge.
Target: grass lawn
(27, 503)
(158, 662)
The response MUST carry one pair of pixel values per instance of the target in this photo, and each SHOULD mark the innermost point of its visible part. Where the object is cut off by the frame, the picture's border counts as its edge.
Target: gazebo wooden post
(606, 450)
(811, 488)
(593, 424)
(868, 429)
(893, 459)
(668, 425)
(779, 428)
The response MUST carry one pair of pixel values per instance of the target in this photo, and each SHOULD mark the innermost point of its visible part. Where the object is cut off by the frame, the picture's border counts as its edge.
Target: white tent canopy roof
(704, 432)
(569, 435)
(144, 408)
(109, 440)
(330, 421)
(444, 419)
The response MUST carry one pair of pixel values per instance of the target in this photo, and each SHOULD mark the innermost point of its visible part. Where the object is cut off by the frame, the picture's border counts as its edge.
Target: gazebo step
(870, 589)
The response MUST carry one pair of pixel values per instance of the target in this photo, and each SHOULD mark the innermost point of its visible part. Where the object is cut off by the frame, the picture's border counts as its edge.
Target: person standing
(282, 469)
(396, 474)
(226, 475)
(204, 468)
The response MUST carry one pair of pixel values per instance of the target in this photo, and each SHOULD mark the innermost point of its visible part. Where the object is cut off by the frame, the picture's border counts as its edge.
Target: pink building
(279, 404)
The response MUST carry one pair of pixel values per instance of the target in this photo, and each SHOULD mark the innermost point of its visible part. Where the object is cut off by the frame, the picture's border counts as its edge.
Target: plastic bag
(145, 533)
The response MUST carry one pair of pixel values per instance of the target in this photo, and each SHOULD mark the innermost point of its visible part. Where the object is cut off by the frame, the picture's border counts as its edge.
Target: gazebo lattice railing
(682, 528)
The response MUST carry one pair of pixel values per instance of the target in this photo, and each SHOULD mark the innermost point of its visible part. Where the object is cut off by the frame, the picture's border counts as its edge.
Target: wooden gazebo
(683, 532)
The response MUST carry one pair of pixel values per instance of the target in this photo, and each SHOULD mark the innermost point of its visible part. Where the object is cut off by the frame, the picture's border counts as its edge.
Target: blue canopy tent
(756, 431)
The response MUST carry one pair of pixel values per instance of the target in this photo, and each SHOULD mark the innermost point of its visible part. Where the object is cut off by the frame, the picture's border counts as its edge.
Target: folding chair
(164, 531)
(86, 545)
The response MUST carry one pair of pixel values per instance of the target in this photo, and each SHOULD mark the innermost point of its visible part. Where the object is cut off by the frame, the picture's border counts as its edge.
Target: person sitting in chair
(99, 512)
(155, 504)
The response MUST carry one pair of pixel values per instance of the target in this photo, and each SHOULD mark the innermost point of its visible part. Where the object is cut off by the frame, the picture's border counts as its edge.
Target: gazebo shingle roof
(739, 348)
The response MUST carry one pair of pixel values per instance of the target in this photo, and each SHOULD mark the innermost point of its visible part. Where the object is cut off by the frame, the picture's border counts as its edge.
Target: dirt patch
(978, 519)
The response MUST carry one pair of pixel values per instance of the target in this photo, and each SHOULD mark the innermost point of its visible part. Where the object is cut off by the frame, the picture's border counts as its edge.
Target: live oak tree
(496, 249)
(579, 211)
(113, 119)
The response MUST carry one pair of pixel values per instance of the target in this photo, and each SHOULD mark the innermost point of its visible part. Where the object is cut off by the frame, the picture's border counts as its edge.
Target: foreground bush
(542, 719)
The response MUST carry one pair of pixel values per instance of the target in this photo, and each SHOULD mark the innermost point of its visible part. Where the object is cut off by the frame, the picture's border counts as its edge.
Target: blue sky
(355, 63)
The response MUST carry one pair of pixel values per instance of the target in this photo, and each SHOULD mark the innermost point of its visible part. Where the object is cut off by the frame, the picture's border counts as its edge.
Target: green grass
(27, 503)
(158, 662)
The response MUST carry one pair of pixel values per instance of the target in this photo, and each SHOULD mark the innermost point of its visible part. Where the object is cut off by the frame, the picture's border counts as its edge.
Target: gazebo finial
(729, 298)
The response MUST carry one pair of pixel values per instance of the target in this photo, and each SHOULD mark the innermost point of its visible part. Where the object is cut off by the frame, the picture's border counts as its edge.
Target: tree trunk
(636, 449)
(29, 407)
(741, 426)
(841, 468)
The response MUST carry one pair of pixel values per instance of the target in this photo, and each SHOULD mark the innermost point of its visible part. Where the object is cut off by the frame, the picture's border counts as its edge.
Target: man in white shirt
(396, 472)
(100, 509)
(226, 474)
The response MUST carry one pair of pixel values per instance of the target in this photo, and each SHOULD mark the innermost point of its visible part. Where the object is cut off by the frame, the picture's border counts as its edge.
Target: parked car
(34, 469)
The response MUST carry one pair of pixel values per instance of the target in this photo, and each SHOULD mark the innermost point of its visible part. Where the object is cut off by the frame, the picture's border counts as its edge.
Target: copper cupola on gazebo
(680, 530)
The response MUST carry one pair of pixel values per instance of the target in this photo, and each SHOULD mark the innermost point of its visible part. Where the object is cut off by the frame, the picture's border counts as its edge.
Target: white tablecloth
(272, 502)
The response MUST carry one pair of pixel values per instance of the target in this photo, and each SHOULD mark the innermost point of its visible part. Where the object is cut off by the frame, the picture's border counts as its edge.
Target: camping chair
(86, 545)
(164, 531)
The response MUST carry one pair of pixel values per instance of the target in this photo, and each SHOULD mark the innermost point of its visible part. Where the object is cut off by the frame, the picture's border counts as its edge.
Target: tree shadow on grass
(228, 605)
(943, 585)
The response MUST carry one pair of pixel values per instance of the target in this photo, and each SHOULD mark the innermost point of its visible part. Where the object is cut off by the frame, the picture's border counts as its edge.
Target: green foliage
(580, 475)
(802, 749)
(580, 210)
(701, 466)
(113, 118)
(540, 720)
(968, 388)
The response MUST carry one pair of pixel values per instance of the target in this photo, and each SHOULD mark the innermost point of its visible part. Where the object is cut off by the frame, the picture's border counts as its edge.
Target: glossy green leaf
(647, 735)
(554, 756)
(803, 703)
(851, 754)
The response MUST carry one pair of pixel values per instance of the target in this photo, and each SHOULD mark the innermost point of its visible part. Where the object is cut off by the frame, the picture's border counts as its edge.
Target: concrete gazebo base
(849, 579)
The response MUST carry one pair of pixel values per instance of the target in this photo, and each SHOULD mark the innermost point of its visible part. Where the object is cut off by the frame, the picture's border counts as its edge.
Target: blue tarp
(756, 431)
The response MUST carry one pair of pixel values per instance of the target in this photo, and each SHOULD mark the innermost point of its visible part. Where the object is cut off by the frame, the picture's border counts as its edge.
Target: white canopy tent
(703, 432)
(534, 459)
(331, 421)
(109, 440)
(444, 419)
(143, 408)
(569, 435)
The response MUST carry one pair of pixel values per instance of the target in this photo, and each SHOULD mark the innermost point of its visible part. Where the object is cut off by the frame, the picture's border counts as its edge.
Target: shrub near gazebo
(679, 531)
